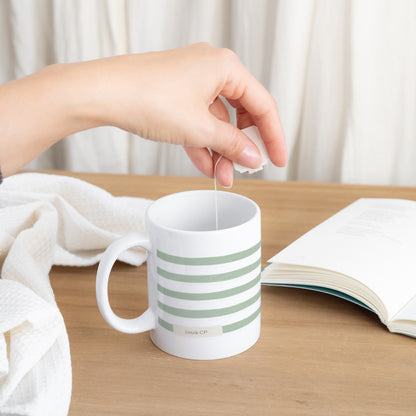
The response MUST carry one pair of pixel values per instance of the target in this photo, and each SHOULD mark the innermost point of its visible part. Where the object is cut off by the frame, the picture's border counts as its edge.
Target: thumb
(231, 142)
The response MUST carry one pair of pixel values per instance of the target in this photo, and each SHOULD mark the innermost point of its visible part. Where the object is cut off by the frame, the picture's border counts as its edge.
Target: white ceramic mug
(203, 282)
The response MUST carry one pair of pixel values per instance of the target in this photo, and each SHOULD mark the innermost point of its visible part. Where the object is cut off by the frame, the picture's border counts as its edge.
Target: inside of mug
(196, 211)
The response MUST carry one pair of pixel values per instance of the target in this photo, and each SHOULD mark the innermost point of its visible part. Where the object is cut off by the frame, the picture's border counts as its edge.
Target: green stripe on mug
(165, 324)
(204, 261)
(209, 277)
(211, 295)
(242, 323)
(208, 313)
(226, 328)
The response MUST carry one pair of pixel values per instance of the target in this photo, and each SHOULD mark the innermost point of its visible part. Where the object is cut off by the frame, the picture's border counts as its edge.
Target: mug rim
(193, 232)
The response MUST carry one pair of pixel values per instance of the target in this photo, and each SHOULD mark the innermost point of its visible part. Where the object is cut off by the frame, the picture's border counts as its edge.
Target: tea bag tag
(254, 135)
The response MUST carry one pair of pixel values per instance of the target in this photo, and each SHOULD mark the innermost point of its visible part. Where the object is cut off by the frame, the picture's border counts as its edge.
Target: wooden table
(317, 354)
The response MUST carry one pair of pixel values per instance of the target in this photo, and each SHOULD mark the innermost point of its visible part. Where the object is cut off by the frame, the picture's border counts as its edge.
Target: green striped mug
(203, 275)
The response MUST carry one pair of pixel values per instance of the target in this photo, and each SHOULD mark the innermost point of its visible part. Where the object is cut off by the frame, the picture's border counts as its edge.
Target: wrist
(75, 91)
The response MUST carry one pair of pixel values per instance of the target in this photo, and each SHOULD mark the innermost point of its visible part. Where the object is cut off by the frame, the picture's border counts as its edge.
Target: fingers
(223, 170)
(231, 142)
(276, 149)
(205, 163)
(202, 159)
(254, 103)
(219, 110)
(244, 119)
(223, 167)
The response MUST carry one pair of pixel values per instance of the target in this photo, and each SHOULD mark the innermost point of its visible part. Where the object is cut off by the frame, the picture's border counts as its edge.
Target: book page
(404, 322)
(373, 241)
(408, 312)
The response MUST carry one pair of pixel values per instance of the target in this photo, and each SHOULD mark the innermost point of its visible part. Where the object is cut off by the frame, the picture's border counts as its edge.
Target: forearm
(38, 110)
(170, 96)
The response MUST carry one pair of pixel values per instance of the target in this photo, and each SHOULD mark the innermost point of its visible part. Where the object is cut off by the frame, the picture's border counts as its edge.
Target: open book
(365, 253)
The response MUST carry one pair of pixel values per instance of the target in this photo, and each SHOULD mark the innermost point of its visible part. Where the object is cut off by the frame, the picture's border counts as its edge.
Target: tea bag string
(215, 192)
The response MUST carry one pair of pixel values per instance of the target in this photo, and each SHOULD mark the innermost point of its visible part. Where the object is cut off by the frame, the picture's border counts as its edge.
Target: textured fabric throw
(48, 220)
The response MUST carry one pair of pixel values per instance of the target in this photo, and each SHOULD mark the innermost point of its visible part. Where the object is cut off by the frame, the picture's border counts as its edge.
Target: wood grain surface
(317, 354)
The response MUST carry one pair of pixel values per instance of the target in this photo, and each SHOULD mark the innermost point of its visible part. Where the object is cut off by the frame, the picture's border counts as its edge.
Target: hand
(171, 96)
(174, 96)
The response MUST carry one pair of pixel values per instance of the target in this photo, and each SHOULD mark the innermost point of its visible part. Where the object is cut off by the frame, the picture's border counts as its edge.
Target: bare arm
(170, 96)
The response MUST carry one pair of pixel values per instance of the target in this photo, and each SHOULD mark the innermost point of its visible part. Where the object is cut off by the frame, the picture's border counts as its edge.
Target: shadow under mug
(203, 275)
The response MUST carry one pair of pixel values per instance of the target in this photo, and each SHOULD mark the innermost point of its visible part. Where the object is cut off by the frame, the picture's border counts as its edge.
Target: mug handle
(142, 323)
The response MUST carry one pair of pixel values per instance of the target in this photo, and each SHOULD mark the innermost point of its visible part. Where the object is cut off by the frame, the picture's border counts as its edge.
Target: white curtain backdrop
(343, 73)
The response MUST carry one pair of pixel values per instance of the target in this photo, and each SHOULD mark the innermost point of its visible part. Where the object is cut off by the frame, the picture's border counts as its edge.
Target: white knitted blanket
(49, 220)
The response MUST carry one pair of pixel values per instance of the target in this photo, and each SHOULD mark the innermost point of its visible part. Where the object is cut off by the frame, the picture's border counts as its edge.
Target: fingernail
(250, 157)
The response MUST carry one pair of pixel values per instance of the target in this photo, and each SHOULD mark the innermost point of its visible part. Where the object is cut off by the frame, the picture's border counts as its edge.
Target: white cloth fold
(49, 220)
